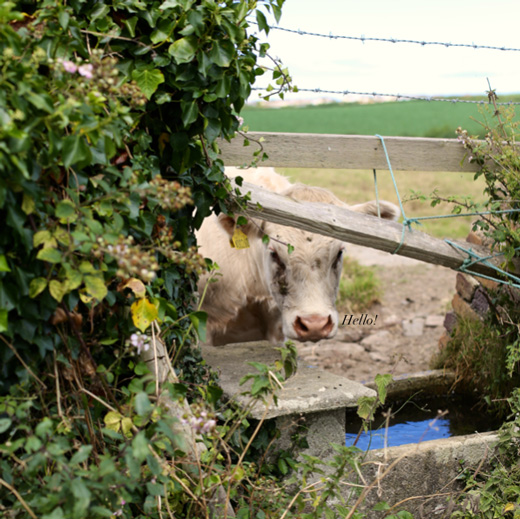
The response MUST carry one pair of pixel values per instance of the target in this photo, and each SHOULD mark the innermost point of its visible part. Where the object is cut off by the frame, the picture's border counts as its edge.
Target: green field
(400, 118)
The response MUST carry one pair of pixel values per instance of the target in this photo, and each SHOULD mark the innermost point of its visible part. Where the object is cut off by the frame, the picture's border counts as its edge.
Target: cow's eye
(276, 258)
(338, 259)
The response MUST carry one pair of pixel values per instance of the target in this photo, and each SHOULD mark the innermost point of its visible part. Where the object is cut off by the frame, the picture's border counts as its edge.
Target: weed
(359, 287)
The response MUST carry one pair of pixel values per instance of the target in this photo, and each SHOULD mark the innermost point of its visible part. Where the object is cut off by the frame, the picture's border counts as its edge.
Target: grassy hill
(404, 118)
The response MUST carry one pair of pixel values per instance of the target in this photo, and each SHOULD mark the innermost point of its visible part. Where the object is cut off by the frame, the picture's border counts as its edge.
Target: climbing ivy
(111, 114)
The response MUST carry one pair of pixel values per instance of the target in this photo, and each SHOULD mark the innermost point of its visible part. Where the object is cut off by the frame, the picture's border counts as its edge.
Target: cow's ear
(229, 223)
(388, 210)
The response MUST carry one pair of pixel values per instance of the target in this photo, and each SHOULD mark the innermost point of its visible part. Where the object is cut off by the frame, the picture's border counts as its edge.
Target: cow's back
(264, 177)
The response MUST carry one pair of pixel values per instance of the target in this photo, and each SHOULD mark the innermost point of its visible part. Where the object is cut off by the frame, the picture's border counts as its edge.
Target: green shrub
(110, 118)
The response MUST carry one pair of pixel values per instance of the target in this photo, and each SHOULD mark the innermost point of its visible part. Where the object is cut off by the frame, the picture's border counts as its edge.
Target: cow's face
(304, 283)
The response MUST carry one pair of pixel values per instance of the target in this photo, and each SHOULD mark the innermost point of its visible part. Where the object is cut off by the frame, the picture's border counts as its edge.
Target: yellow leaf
(143, 313)
(509, 507)
(28, 204)
(57, 289)
(126, 425)
(62, 236)
(113, 421)
(85, 298)
(136, 286)
(164, 139)
(45, 238)
(95, 286)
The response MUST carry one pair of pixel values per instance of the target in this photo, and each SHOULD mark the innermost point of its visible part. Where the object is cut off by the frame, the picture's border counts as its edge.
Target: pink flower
(69, 66)
(86, 71)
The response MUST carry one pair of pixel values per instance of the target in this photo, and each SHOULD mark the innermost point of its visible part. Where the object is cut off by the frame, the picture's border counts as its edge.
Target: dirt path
(408, 326)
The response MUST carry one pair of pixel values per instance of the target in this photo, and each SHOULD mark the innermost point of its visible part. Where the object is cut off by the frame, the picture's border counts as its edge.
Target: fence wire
(396, 96)
(363, 39)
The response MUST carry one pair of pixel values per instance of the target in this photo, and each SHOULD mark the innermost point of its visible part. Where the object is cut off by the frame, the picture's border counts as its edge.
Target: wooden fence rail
(304, 150)
(353, 152)
(357, 228)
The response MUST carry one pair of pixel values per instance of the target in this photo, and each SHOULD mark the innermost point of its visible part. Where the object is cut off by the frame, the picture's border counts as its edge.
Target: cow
(265, 292)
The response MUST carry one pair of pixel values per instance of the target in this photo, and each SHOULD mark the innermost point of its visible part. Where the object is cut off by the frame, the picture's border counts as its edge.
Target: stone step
(310, 390)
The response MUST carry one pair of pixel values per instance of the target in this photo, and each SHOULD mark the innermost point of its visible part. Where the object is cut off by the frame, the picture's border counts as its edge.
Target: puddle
(418, 421)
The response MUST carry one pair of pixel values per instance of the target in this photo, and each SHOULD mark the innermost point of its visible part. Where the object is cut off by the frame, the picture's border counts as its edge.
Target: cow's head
(304, 283)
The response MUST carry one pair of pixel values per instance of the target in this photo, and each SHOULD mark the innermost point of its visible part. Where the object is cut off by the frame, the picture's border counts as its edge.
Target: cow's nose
(313, 327)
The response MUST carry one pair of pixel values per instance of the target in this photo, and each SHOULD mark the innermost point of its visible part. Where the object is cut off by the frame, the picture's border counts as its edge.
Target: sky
(400, 68)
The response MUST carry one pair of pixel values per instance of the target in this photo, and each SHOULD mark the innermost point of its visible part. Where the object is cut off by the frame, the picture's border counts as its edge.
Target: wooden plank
(360, 229)
(308, 150)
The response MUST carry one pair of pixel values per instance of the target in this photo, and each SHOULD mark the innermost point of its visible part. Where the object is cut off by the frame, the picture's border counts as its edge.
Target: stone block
(413, 327)
(444, 340)
(463, 309)
(433, 321)
(450, 321)
(473, 237)
(466, 285)
(320, 430)
(480, 303)
(488, 283)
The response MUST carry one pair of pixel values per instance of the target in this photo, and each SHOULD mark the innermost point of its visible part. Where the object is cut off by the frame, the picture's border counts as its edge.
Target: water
(414, 422)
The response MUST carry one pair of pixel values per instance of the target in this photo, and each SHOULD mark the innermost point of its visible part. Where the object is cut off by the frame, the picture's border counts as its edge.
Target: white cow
(264, 292)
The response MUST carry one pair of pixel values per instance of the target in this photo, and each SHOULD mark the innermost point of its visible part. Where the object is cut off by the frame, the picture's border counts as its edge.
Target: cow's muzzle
(313, 327)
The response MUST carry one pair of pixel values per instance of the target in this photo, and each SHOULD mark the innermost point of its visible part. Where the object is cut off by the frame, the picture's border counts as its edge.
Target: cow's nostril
(299, 325)
(313, 327)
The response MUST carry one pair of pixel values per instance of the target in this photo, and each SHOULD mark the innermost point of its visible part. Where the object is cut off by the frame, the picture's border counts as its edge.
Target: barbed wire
(391, 40)
(396, 96)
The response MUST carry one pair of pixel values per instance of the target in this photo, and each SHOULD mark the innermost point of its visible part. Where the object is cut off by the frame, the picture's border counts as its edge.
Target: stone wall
(472, 297)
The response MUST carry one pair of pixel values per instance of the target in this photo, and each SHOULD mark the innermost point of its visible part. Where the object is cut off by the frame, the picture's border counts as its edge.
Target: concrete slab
(308, 391)
(423, 478)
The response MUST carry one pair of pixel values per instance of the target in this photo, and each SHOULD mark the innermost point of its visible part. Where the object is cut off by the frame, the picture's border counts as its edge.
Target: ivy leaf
(185, 4)
(5, 423)
(75, 149)
(136, 286)
(113, 420)
(126, 426)
(382, 382)
(148, 80)
(45, 238)
(57, 289)
(65, 210)
(222, 53)
(143, 313)
(96, 287)
(366, 407)
(262, 22)
(199, 320)
(183, 50)
(28, 204)
(140, 447)
(37, 286)
(190, 112)
(142, 404)
(4, 267)
(62, 236)
(50, 255)
(3, 320)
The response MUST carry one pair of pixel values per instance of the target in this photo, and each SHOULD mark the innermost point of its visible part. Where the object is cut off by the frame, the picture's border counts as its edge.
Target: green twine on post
(407, 222)
(472, 257)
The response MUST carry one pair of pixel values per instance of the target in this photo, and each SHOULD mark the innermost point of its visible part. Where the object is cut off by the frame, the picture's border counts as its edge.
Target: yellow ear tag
(239, 240)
